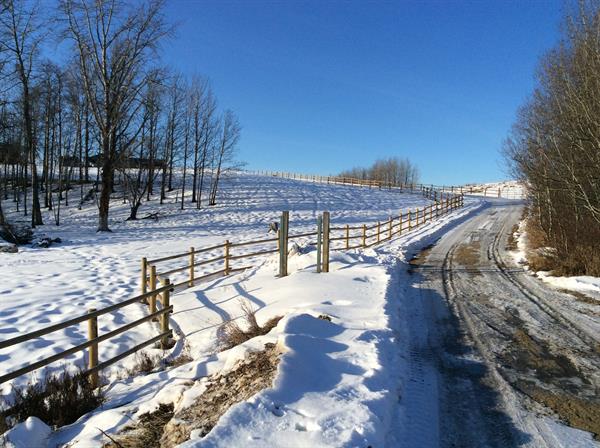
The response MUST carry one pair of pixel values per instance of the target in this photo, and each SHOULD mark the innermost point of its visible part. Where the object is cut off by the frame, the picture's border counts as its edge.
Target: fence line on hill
(220, 258)
(506, 192)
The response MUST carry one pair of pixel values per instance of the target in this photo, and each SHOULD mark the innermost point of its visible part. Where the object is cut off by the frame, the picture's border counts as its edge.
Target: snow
(93, 270)
(581, 283)
(32, 433)
(338, 383)
(335, 384)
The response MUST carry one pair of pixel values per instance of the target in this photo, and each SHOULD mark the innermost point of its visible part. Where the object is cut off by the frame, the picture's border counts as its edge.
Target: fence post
(319, 242)
(390, 236)
(93, 349)
(400, 224)
(347, 237)
(326, 222)
(192, 261)
(409, 219)
(417, 216)
(152, 301)
(283, 243)
(164, 318)
(378, 230)
(364, 235)
(430, 212)
(226, 257)
(144, 285)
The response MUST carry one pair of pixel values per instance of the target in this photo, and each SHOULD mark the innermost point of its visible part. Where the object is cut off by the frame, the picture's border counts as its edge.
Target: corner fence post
(283, 243)
(164, 318)
(319, 242)
(93, 349)
(192, 262)
(326, 223)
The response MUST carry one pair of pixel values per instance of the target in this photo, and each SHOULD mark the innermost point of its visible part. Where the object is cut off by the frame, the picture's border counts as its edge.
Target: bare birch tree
(116, 44)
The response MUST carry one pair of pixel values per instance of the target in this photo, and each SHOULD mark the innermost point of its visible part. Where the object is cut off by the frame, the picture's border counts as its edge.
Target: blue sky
(326, 85)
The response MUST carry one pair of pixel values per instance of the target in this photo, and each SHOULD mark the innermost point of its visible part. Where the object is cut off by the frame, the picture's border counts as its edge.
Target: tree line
(391, 170)
(554, 145)
(110, 115)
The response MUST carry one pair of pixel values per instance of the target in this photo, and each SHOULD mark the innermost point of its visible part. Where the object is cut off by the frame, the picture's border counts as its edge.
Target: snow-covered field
(334, 385)
(90, 270)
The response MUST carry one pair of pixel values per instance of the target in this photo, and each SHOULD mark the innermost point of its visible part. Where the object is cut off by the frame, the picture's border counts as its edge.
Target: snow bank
(32, 433)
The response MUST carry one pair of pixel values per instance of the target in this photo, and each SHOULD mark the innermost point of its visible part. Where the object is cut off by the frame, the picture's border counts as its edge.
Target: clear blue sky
(326, 85)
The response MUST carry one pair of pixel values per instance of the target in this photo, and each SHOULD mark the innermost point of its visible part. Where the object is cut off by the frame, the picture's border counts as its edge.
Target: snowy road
(494, 355)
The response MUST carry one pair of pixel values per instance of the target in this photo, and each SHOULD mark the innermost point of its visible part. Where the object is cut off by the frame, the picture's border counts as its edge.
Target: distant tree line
(111, 115)
(393, 169)
(554, 145)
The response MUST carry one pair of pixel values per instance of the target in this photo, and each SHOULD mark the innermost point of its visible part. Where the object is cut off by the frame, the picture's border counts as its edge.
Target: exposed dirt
(512, 242)
(552, 380)
(252, 375)
(468, 255)
(527, 354)
(581, 297)
(577, 412)
(419, 259)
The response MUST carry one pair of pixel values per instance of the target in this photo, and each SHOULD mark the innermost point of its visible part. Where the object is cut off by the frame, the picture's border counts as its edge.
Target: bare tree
(21, 35)
(554, 145)
(116, 45)
(229, 137)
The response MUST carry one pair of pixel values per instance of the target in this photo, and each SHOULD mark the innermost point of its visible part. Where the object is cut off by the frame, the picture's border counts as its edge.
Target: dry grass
(144, 364)
(182, 359)
(146, 433)
(232, 334)
(251, 375)
(58, 400)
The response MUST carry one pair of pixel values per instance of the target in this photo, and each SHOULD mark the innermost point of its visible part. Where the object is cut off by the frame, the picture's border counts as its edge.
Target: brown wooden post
(378, 230)
(192, 262)
(400, 224)
(152, 301)
(430, 212)
(93, 349)
(390, 236)
(164, 318)
(364, 235)
(144, 276)
(227, 257)
(409, 219)
(347, 236)
(283, 243)
(417, 216)
(326, 226)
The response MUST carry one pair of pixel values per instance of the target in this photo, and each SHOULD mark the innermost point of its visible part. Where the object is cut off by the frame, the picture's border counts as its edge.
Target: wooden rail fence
(202, 264)
(507, 192)
(222, 259)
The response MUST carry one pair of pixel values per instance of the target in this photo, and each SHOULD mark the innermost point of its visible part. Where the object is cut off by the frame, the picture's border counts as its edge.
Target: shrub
(232, 334)
(58, 400)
